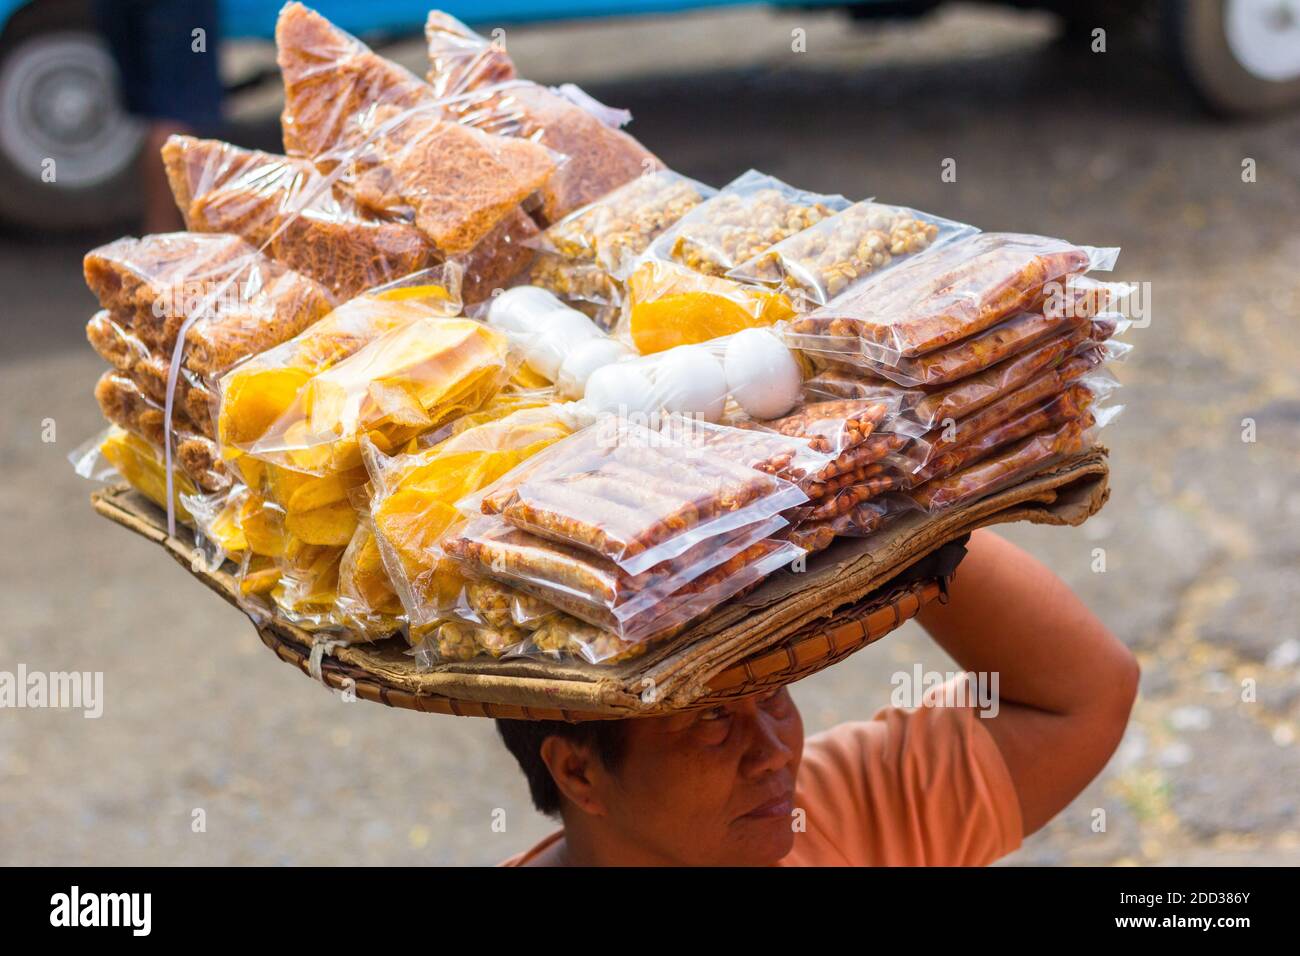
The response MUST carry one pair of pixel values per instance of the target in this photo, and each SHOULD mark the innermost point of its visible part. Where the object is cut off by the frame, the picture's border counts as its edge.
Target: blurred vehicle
(58, 82)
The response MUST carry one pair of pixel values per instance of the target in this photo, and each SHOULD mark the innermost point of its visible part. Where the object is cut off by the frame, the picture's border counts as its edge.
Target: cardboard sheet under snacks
(683, 672)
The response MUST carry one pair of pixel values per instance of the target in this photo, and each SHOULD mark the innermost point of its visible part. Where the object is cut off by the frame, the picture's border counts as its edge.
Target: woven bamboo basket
(794, 625)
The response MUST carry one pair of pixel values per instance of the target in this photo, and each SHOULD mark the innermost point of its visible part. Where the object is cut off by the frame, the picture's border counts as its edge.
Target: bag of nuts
(815, 265)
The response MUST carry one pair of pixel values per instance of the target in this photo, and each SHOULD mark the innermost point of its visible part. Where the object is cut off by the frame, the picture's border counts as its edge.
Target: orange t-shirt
(924, 787)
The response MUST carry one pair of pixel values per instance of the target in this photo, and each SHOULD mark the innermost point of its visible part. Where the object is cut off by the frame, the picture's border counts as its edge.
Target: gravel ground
(1201, 559)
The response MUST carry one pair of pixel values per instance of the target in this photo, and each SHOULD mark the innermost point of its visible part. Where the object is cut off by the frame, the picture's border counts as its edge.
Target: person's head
(707, 787)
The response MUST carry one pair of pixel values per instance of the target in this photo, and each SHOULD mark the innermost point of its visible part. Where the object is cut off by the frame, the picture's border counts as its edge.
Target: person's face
(711, 787)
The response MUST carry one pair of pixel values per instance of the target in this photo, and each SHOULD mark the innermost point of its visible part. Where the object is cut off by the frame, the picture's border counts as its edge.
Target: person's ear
(577, 773)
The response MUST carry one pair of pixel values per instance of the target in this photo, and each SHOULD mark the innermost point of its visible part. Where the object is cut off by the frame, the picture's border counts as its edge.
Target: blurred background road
(1201, 555)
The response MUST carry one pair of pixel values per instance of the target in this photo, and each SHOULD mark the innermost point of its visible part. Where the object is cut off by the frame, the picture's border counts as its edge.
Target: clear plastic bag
(367, 604)
(599, 157)
(747, 217)
(380, 134)
(330, 79)
(413, 497)
(815, 265)
(123, 403)
(595, 589)
(611, 232)
(1069, 404)
(117, 453)
(237, 301)
(409, 380)
(1085, 367)
(995, 344)
(634, 495)
(1012, 464)
(195, 406)
(920, 409)
(942, 296)
(461, 60)
(258, 392)
(668, 305)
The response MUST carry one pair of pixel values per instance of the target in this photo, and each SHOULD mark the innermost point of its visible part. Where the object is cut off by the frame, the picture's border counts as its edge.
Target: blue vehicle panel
(255, 19)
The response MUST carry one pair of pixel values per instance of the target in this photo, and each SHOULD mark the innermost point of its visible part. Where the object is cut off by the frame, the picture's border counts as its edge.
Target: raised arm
(1066, 685)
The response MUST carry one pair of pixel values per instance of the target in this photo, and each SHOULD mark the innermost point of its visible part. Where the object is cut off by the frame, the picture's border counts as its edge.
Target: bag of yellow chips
(414, 498)
(408, 381)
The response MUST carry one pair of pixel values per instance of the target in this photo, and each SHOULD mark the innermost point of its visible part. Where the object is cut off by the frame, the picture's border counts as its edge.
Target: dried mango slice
(672, 305)
(137, 462)
(257, 393)
(328, 526)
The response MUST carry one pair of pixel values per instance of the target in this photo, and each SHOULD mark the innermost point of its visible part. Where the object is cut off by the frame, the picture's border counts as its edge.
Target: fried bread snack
(1004, 468)
(148, 370)
(944, 295)
(461, 61)
(245, 302)
(598, 157)
(634, 496)
(1065, 406)
(330, 77)
(122, 403)
(453, 181)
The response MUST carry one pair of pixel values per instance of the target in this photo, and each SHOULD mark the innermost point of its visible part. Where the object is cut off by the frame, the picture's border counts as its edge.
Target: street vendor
(938, 785)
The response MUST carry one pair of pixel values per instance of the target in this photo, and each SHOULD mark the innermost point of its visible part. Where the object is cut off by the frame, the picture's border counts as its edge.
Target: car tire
(1239, 62)
(58, 101)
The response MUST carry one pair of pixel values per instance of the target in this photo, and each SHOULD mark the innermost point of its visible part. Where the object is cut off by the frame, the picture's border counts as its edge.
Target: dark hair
(523, 738)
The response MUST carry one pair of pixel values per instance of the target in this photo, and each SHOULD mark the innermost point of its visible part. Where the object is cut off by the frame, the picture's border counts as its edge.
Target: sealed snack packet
(453, 181)
(813, 266)
(414, 495)
(669, 305)
(367, 603)
(632, 606)
(615, 229)
(921, 451)
(922, 409)
(461, 61)
(1067, 405)
(1010, 464)
(118, 452)
(330, 77)
(407, 381)
(634, 495)
(256, 393)
(678, 292)
(587, 255)
(379, 133)
(286, 207)
(747, 217)
(599, 157)
(123, 403)
(237, 301)
(942, 296)
(195, 404)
